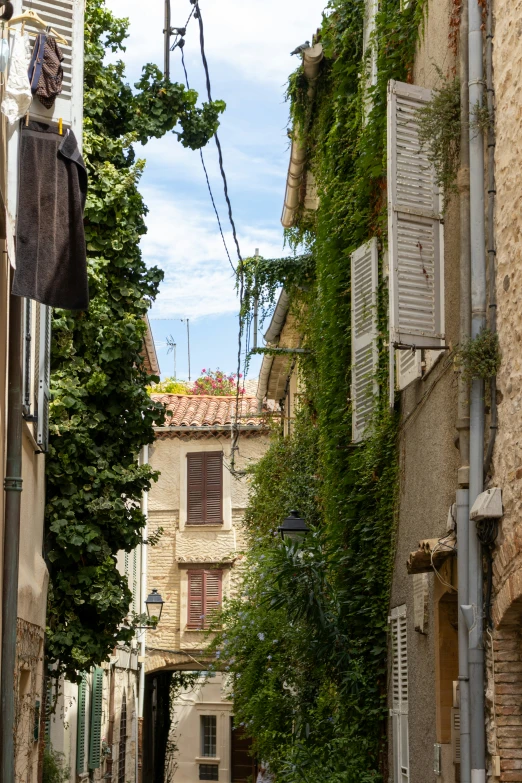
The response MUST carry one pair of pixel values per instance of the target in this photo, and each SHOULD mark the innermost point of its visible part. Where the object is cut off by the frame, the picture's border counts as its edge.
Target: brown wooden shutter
(196, 488)
(214, 487)
(205, 488)
(213, 581)
(195, 599)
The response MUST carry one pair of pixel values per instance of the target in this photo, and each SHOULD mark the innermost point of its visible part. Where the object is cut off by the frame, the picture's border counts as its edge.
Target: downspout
(13, 491)
(478, 323)
(463, 402)
(143, 597)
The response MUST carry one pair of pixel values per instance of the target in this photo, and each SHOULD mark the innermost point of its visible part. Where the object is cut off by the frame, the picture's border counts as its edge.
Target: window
(208, 736)
(401, 764)
(365, 354)
(96, 717)
(122, 755)
(415, 234)
(205, 488)
(204, 597)
(208, 772)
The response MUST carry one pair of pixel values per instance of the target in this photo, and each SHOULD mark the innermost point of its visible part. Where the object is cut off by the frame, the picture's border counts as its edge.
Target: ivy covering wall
(306, 642)
(101, 414)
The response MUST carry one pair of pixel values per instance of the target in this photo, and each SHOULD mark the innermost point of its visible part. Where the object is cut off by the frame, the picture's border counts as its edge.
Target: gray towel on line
(51, 257)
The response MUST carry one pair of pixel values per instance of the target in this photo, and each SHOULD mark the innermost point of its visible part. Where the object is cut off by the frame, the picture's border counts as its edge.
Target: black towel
(51, 258)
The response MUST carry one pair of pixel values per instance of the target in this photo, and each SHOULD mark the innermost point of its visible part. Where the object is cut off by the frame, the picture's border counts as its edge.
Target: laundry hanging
(49, 79)
(18, 94)
(51, 259)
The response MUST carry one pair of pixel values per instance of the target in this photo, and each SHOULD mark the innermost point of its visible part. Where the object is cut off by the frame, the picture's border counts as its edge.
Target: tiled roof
(195, 410)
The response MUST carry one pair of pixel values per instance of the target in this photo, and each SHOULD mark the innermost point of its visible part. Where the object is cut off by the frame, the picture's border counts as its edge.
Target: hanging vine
(307, 650)
(101, 414)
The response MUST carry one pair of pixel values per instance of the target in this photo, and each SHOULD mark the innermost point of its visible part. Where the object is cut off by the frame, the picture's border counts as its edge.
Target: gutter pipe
(271, 337)
(478, 323)
(311, 63)
(13, 492)
(463, 403)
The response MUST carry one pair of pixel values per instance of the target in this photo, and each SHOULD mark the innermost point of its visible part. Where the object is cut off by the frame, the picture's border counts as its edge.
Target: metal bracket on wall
(407, 347)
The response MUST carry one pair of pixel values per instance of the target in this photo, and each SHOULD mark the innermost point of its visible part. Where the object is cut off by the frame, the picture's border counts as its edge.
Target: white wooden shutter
(409, 367)
(414, 231)
(44, 375)
(399, 711)
(67, 18)
(365, 274)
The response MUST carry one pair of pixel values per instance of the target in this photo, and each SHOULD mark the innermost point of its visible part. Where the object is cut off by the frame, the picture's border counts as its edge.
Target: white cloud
(182, 239)
(254, 37)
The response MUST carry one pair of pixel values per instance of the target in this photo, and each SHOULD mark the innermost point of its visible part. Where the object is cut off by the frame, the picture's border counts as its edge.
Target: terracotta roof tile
(191, 410)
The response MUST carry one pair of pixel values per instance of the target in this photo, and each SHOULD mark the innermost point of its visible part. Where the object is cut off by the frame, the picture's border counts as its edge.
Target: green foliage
(54, 767)
(479, 357)
(101, 414)
(316, 708)
(169, 386)
(263, 278)
(439, 133)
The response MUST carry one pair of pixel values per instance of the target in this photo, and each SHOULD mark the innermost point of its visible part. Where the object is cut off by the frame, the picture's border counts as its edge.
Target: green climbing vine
(479, 357)
(101, 414)
(307, 641)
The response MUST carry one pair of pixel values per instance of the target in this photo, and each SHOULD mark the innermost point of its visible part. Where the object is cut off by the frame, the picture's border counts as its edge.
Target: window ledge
(207, 760)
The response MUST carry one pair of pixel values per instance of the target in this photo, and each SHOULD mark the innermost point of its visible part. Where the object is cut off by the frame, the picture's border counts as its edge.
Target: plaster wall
(428, 462)
(206, 698)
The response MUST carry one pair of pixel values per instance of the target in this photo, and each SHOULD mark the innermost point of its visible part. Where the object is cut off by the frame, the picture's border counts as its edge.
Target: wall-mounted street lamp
(154, 604)
(294, 527)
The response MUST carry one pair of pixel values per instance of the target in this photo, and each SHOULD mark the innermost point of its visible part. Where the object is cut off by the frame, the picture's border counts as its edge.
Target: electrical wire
(206, 174)
(240, 274)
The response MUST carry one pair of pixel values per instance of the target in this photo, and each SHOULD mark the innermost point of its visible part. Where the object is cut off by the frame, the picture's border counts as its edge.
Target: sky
(248, 45)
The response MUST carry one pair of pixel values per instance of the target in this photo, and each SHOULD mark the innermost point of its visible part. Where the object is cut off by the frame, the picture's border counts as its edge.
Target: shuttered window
(67, 18)
(80, 726)
(27, 386)
(96, 715)
(414, 232)
(399, 711)
(204, 597)
(364, 336)
(122, 752)
(205, 488)
(43, 374)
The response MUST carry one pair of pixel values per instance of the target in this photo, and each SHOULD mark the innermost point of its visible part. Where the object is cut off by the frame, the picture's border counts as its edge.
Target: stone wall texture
(505, 688)
(182, 547)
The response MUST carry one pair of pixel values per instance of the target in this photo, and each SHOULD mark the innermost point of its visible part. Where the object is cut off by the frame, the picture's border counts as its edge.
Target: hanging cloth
(35, 66)
(50, 81)
(18, 94)
(51, 259)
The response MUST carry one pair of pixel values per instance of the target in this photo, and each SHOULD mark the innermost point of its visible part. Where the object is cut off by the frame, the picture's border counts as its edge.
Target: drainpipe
(13, 491)
(463, 402)
(478, 323)
(143, 598)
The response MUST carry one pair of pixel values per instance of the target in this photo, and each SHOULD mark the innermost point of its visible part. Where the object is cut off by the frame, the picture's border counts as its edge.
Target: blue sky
(247, 44)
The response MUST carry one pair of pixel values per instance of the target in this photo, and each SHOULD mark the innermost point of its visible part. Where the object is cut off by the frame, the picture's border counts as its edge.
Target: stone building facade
(193, 567)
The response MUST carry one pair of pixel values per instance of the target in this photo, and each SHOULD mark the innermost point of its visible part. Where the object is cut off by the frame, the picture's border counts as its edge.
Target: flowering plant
(217, 383)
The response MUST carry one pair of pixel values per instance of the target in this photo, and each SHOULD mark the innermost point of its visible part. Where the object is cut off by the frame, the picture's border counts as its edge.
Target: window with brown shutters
(204, 597)
(205, 488)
